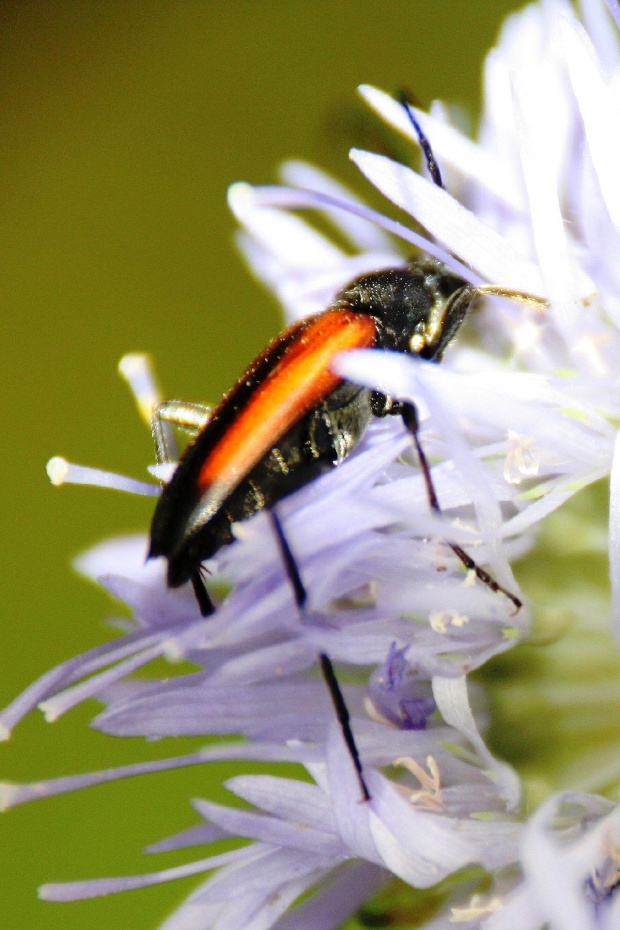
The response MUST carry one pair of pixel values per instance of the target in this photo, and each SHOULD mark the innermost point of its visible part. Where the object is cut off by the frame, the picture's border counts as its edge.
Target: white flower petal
(453, 702)
(600, 112)
(291, 240)
(448, 143)
(363, 234)
(547, 223)
(557, 893)
(418, 846)
(459, 230)
(292, 198)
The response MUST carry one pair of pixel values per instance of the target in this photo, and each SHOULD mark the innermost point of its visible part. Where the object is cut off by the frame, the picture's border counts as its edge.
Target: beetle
(290, 419)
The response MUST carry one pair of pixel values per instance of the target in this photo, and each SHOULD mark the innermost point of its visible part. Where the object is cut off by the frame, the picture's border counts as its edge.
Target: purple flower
(514, 428)
(304, 834)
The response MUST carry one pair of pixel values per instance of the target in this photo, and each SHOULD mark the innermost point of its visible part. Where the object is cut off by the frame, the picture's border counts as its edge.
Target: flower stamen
(429, 798)
(520, 462)
(441, 620)
(60, 472)
(475, 910)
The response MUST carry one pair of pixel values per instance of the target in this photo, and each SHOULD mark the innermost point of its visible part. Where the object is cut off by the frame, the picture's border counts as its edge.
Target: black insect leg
(327, 669)
(205, 603)
(292, 571)
(410, 419)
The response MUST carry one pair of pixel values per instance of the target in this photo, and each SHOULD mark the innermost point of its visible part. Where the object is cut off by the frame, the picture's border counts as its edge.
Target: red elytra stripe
(299, 381)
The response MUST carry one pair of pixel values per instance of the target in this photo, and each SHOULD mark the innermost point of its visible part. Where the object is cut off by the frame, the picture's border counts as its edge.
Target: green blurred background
(121, 125)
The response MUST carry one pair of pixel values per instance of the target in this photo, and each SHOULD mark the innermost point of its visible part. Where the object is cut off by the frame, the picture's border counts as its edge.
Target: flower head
(514, 426)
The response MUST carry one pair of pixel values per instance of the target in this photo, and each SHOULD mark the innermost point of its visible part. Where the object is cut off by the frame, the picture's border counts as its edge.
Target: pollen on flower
(441, 620)
(476, 909)
(429, 798)
(241, 197)
(57, 470)
(520, 462)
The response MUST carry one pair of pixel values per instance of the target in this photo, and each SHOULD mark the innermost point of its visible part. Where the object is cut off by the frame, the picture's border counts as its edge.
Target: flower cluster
(515, 425)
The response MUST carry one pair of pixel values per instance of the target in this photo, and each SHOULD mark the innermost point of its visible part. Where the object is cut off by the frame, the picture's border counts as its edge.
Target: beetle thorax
(408, 305)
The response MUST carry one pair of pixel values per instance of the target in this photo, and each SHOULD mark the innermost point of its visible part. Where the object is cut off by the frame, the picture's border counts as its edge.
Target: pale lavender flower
(338, 527)
(515, 427)
(570, 868)
(566, 879)
(416, 827)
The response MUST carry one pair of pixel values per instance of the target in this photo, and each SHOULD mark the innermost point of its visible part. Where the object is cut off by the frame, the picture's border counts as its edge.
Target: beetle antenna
(327, 669)
(429, 157)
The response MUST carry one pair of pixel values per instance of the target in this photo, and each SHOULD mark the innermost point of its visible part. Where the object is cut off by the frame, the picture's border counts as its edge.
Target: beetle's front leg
(385, 406)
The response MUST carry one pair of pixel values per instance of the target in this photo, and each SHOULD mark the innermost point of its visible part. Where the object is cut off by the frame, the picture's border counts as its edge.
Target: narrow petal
(12, 795)
(453, 703)
(460, 231)
(287, 237)
(291, 198)
(600, 112)
(79, 891)
(475, 162)
(363, 234)
(270, 829)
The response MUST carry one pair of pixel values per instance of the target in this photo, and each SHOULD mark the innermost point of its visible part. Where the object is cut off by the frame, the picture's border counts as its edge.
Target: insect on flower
(290, 419)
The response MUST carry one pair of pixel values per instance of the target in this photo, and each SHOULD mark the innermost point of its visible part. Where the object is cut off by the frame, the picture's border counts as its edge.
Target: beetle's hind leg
(189, 417)
(409, 415)
(136, 368)
(384, 406)
(327, 669)
(205, 604)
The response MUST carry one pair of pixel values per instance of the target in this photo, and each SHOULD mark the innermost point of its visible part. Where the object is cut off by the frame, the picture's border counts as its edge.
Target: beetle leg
(327, 669)
(410, 419)
(189, 417)
(290, 564)
(205, 604)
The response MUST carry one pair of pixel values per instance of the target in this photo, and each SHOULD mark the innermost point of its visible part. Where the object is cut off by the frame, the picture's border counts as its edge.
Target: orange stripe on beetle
(299, 381)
